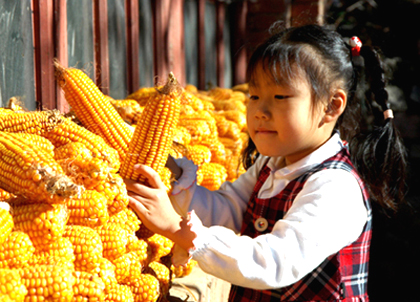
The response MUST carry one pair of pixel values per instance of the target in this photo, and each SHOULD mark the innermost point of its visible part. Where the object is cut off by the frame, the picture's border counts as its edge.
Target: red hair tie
(355, 45)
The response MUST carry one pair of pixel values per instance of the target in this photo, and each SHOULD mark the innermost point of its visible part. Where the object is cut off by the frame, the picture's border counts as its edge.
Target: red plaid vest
(341, 277)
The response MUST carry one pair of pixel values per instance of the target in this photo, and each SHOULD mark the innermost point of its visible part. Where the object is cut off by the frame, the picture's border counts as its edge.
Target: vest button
(261, 224)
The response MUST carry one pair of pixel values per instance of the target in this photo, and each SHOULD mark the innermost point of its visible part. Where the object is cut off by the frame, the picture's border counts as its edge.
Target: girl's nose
(262, 112)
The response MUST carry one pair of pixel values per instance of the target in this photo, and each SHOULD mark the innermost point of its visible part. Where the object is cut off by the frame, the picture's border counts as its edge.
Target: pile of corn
(67, 233)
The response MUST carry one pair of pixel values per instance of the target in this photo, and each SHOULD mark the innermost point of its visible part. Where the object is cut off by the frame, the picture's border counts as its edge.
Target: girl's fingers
(152, 176)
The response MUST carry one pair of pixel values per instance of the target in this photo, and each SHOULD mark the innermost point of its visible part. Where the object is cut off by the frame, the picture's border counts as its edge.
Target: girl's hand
(152, 204)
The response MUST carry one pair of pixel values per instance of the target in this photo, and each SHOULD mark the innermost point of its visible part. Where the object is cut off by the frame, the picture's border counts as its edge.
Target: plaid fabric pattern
(341, 277)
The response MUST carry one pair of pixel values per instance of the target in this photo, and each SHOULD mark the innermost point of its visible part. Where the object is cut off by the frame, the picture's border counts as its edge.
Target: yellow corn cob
(4, 195)
(199, 154)
(235, 145)
(145, 288)
(233, 166)
(87, 247)
(114, 239)
(106, 271)
(41, 142)
(244, 88)
(163, 274)
(139, 247)
(11, 286)
(132, 224)
(88, 287)
(43, 222)
(48, 283)
(218, 93)
(90, 209)
(218, 152)
(119, 293)
(183, 271)
(129, 110)
(127, 266)
(198, 129)
(211, 175)
(187, 98)
(114, 189)
(16, 250)
(68, 131)
(182, 135)
(28, 171)
(191, 88)
(235, 116)
(159, 246)
(93, 108)
(59, 252)
(35, 122)
(143, 94)
(6, 224)
(153, 136)
(230, 104)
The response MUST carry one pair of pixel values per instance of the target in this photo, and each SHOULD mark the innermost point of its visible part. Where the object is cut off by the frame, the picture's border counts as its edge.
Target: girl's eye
(280, 97)
(253, 97)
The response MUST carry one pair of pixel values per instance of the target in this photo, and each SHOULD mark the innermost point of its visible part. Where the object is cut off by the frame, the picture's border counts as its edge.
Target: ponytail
(378, 153)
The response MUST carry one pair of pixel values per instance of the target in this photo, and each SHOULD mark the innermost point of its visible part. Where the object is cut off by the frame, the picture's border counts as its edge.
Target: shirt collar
(327, 150)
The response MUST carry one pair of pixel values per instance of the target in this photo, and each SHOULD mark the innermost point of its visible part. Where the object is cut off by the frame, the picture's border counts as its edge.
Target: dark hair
(325, 60)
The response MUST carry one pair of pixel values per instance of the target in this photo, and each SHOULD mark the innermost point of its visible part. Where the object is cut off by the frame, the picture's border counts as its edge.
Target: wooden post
(307, 12)
(220, 44)
(44, 53)
(201, 45)
(168, 39)
(100, 42)
(60, 35)
(132, 25)
(239, 49)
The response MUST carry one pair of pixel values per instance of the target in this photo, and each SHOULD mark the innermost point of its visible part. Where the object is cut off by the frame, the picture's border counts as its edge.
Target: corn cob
(35, 122)
(201, 125)
(11, 286)
(28, 171)
(41, 142)
(6, 224)
(127, 266)
(48, 283)
(182, 135)
(199, 154)
(114, 239)
(211, 175)
(43, 222)
(132, 223)
(93, 108)
(235, 116)
(106, 271)
(183, 271)
(60, 252)
(88, 287)
(235, 145)
(4, 195)
(143, 94)
(230, 104)
(90, 209)
(188, 98)
(16, 250)
(68, 131)
(163, 274)
(159, 246)
(115, 192)
(139, 247)
(218, 152)
(145, 288)
(218, 93)
(129, 110)
(191, 88)
(153, 136)
(119, 293)
(87, 247)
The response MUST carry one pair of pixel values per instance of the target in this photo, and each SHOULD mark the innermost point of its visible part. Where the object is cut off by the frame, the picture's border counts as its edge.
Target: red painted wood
(176, 41)
(100, 41)
(132, 24)
(44, 53)
(201, 45)
(60, 37)
(160, 10)
(239, 42)
(220, 45)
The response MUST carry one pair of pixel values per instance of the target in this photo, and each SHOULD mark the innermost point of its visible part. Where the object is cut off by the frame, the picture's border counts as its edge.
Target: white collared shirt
(327, 215)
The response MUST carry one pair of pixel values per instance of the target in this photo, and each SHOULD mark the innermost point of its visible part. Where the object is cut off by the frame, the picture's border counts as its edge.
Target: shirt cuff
(188, 177)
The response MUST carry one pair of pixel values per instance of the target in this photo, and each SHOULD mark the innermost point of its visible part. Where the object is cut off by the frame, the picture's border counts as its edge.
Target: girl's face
(282, 121)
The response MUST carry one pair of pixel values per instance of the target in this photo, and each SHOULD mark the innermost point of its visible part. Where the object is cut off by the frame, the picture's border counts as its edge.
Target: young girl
(297, 225)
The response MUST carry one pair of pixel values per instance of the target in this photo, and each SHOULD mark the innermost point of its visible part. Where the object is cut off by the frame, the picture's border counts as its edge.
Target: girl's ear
(336, 106)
